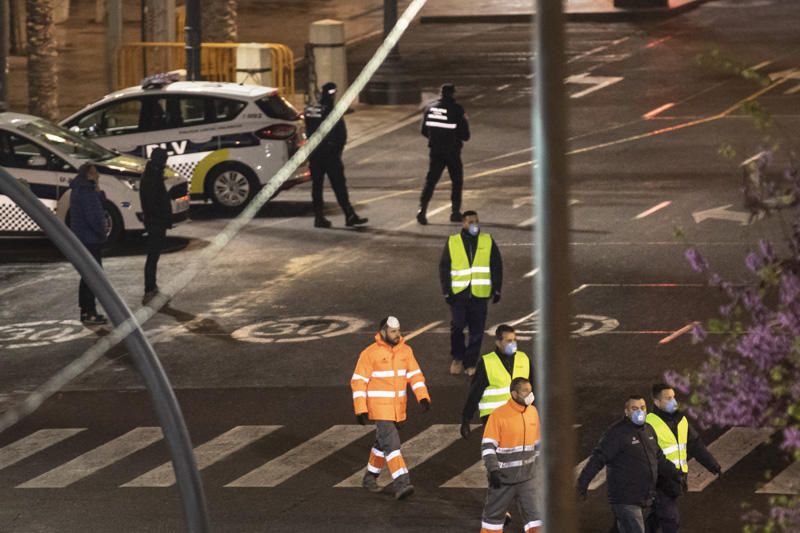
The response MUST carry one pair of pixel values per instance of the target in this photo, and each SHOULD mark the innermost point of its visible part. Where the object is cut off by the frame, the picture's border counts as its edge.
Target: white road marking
(598, 49)
(787, 482)
(761, 65)
(672, 336)
(416, 451)
(793, 90)
(298, 329)
(34, 443)
(729, 449)
(473, 477)
(44, 278)
(598, 480)
(301, 457)
(722, 213)
(531, 221)
(531, 273)
(206, 454)
(422, 330)
(657, 111)
(429, 214)
(652, 210)
(95, 460)
(596, 82)
(503, 87)
(380, 132)
(788, 74)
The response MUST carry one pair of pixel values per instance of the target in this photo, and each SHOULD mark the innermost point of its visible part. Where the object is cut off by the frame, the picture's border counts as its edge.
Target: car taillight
(277, 131)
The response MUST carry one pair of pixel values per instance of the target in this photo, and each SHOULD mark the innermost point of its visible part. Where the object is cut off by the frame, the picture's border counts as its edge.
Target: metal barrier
(135, 61)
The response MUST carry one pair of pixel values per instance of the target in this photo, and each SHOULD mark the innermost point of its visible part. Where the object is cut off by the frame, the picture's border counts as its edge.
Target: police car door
(115, 126)
(47, 174)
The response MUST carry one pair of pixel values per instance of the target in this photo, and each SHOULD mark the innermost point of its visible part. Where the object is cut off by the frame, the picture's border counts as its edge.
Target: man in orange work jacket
(383, 373)
(510, 447)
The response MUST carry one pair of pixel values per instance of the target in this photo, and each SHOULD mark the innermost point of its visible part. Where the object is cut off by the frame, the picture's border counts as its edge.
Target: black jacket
(480, 381)
(445, 125)
(334, 142)
(695, 447)
(156, 204)
(470, 244)
(632, 458)
(87, 215)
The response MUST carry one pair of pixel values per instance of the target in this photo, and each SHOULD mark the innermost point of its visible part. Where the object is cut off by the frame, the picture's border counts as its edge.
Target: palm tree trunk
(219, 21)
(42, 59)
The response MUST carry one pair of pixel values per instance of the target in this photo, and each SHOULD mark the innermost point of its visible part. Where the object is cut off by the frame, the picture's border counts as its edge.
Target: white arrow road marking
(792, 74)
(733, 446)
(597, 83)
(301, 457)
(422, 330)
(652, 210)
(793, 90)
(94, 460)
(34, 443)
(206, 454)
(787, 482)
(416, 451)
(531, 273)
(722, 213)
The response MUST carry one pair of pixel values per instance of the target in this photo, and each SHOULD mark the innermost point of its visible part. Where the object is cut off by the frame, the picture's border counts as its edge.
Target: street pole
(193, 39)
(555, 376)
(392, 83)
(4, 32)
(113, 40)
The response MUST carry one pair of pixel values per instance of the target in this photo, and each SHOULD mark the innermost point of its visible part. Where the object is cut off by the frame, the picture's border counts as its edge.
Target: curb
(619, 15)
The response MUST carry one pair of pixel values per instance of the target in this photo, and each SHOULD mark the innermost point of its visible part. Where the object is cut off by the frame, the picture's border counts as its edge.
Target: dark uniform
(445, 125)
(327, 159)
(157, 216)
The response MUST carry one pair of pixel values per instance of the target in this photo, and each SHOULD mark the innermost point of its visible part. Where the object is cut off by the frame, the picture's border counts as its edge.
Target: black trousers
(330, 164)
(467, 312)
(438, 161)
(86, 300)
(156, 237)
(666, 514)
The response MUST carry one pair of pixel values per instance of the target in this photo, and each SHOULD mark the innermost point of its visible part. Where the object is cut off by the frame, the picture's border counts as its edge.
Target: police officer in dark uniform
(445, 125)
(327, 159)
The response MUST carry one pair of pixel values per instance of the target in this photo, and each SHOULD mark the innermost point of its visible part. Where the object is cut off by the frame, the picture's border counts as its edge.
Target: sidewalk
(507, 11)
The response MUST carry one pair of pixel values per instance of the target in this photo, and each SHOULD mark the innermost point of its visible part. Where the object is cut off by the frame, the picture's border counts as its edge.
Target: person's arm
(96, 214)
(424, 128)
(444, 271)
(697, 449)
(416, 379)
(489, 445)
(463, 127)
(605, 452)
(359, 382)
(496, 263)
(479, 383)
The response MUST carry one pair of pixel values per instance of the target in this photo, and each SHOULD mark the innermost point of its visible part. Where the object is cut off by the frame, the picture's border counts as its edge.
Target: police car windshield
(66, 141)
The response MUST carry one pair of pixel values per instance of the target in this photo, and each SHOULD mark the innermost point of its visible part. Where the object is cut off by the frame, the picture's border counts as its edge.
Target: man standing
(157, 213)
(629, 451)
(490, 387)
(445, 125)
(87, 219)
(509, 449)
(384, 371)
(327, 159)
(470, 272)
(678, 440)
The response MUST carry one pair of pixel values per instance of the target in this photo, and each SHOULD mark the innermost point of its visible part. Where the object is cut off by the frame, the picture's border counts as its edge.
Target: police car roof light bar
(162, 79)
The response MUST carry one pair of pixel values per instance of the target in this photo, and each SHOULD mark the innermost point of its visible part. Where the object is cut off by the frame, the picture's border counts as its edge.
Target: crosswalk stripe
(598, 480)
(301, 457)
(787, 482)
(729, 449)
(473, 477)
(206, 454)
(33, 443)
(416, 451)
(96, 459)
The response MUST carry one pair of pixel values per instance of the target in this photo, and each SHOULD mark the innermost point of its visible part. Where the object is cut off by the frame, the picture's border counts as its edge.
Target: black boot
(421, 218)
(321, 222)
(354, 220)
(455, 216)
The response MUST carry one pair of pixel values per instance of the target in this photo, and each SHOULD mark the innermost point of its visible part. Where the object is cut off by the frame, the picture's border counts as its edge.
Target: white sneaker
(456, 367)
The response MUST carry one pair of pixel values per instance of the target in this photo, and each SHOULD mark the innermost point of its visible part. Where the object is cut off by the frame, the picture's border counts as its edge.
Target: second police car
(228, 139)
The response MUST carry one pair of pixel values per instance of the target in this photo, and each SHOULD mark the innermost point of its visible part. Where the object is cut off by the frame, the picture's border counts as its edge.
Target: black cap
(448, 89)
(329, 88)
(159, 157)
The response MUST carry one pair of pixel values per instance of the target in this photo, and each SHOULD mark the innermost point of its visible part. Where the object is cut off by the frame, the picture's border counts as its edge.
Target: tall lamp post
(4, 29)
(193, 39)
(392, 83)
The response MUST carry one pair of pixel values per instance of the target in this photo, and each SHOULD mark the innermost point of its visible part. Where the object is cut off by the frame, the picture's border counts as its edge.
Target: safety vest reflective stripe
(515, 464)
(388, 373)
(478, 275)
(415, 386)
(445, 125)
(413, 373)
(362, 378)
(498, 393)
(383, 394)
(674, 449)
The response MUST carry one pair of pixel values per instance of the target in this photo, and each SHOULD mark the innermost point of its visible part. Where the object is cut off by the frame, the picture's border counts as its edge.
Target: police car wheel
(115, 224)
(231, 185)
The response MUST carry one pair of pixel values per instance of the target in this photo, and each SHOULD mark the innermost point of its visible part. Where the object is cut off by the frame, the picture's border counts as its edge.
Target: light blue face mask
(671, 406)
(474, 229)
(637, 417)
(510, 348)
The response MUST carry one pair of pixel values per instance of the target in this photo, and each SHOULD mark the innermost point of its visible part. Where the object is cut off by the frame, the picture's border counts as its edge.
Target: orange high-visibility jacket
(382, 375)
(511, 442)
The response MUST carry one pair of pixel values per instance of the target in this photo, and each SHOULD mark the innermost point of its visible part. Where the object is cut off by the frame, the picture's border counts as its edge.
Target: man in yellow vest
(678, 441)
(493, 375)
(470, 272)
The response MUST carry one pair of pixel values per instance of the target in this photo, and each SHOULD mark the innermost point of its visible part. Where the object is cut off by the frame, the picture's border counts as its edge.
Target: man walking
(678, 441)
(509, 449)
(157, 213)
(490, 387)
(384, 371)
(327, 159)
(470, 272)
(444, 124)
(629, 451)
(87, 219)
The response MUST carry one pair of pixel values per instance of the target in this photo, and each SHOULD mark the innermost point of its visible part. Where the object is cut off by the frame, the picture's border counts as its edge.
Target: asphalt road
(261, 346)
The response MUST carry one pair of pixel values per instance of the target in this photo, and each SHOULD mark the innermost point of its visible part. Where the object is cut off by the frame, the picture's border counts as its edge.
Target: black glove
(362, 418)
(425, 404)
(448, 298)
(496, 298)
(494, 479)
(465, 429)
(582, 494)
(717, 471)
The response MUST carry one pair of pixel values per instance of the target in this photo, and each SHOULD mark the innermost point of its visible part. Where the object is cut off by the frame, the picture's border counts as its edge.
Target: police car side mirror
(37, 161)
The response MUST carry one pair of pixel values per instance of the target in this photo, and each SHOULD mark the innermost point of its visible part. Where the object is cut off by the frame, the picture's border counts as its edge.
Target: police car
(47, 157)
(227, 139)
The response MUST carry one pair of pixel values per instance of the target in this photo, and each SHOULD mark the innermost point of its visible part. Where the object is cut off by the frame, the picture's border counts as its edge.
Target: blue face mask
(637, 417)
(510, 348)
(474, 229)
(671, 406)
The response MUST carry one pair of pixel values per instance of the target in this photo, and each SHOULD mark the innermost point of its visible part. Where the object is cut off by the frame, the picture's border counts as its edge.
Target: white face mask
(529, 398)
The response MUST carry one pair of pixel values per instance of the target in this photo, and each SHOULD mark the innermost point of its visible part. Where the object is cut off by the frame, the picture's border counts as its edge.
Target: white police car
(228, 139)
(47, 157)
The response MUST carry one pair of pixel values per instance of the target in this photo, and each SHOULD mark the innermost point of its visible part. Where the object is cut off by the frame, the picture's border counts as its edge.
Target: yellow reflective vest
(674, 449)
(498, 392)
(477, 275)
